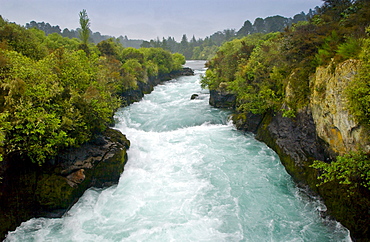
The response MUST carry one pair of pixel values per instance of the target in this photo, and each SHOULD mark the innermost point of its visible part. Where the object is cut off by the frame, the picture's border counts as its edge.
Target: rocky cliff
(334, 124)
(320, 131)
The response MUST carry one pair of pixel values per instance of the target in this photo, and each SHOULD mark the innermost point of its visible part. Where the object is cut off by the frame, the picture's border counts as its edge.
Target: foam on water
(190, 177)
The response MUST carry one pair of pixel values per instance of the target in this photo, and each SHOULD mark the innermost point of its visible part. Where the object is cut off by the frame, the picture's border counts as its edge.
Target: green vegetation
(197, 49)
(94, 37)
(359, 92)
(351, 170)
(270, 72)
(85, 27)
(57, 92)
(205, 49)
(84, 32)
(266, 70)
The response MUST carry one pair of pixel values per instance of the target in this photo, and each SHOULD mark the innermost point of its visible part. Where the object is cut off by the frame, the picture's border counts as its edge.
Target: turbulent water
(190, 177)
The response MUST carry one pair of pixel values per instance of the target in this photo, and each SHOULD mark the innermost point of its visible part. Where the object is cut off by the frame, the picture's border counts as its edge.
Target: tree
(334, 8)
(85, 27)
(24, 41)
(108, 47)
(246, 29)
(300, 17)
(259, 25)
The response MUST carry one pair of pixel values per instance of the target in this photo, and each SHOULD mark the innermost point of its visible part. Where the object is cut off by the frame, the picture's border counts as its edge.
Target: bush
(349, 49)
(358, 93)
(352, 170)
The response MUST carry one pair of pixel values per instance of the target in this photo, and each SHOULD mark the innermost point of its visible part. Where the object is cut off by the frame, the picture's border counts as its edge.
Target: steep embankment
(28, 190)
(320, 131)
(334, 124)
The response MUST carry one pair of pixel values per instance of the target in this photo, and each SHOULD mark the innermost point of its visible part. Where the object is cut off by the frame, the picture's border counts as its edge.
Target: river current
(191, 176)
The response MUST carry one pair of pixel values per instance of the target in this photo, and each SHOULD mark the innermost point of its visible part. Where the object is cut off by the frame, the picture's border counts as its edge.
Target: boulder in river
(194, 96)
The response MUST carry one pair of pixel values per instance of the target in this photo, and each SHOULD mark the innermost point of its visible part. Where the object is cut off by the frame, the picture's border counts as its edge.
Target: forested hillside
(197, 49)
(57, 92)
(95, 37)
(205, 49)
(286, 75)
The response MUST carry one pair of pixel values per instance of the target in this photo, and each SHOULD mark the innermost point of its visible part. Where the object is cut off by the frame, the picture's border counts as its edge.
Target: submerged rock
(194, 96)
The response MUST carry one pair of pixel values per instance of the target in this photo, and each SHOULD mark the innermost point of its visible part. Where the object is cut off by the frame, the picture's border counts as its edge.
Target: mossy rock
(53, 192)
(108, 171)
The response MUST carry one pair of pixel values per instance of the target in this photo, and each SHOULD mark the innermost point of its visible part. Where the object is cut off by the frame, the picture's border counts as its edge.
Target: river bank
(321, 130)
(28, 190)
(191, 177)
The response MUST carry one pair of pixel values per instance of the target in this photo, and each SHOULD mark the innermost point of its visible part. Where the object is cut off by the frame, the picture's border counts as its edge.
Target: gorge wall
(319, 131)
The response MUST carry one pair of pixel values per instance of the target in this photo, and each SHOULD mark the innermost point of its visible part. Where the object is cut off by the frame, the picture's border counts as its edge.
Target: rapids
(191, 176)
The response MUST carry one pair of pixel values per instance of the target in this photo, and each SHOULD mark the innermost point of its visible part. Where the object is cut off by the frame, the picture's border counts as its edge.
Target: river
(191, 176)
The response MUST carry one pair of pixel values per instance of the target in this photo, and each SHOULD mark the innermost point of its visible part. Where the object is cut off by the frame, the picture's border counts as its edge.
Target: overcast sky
(149, 19)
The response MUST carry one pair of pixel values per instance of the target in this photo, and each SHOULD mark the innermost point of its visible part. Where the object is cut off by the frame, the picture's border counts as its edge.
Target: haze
(149, 19)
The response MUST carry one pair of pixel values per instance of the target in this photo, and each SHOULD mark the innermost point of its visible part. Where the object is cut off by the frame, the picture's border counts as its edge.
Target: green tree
(178, 61)
(160, 57)
(246, 29)
(84, 32)
(27, 42)
(109, 47)
(132, 53)
(54, 41)
(333, 9)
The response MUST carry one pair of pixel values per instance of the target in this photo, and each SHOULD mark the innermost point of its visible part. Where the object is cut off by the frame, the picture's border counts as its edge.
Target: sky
(149, 19)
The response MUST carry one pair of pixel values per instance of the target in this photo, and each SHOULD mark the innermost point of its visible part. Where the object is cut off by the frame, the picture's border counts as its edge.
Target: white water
(190, 177)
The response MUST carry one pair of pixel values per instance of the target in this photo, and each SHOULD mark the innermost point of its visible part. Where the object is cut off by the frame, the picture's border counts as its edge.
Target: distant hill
(275, 23)
(201, 49)
(95, 37)
(206, 48)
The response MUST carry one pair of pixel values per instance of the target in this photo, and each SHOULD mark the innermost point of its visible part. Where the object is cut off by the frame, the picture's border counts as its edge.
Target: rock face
(247, 121)
(295, 137)
(222, 99)
(333, 122)
(29, 190)
(320, 131)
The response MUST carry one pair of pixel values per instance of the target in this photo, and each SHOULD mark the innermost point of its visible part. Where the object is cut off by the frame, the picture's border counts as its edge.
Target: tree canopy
(55, 95)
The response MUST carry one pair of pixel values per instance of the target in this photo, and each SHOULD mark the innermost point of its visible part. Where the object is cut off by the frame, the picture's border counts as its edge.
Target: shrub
(358, 93)
(352, 170)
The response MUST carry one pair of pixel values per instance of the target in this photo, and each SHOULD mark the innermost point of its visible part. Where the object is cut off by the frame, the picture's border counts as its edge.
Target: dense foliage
(198, 49)
(351, 170)
(94, 37)
(359, 92)
(270, 72)
(205, 49)
(55, 94)
(267, 70)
